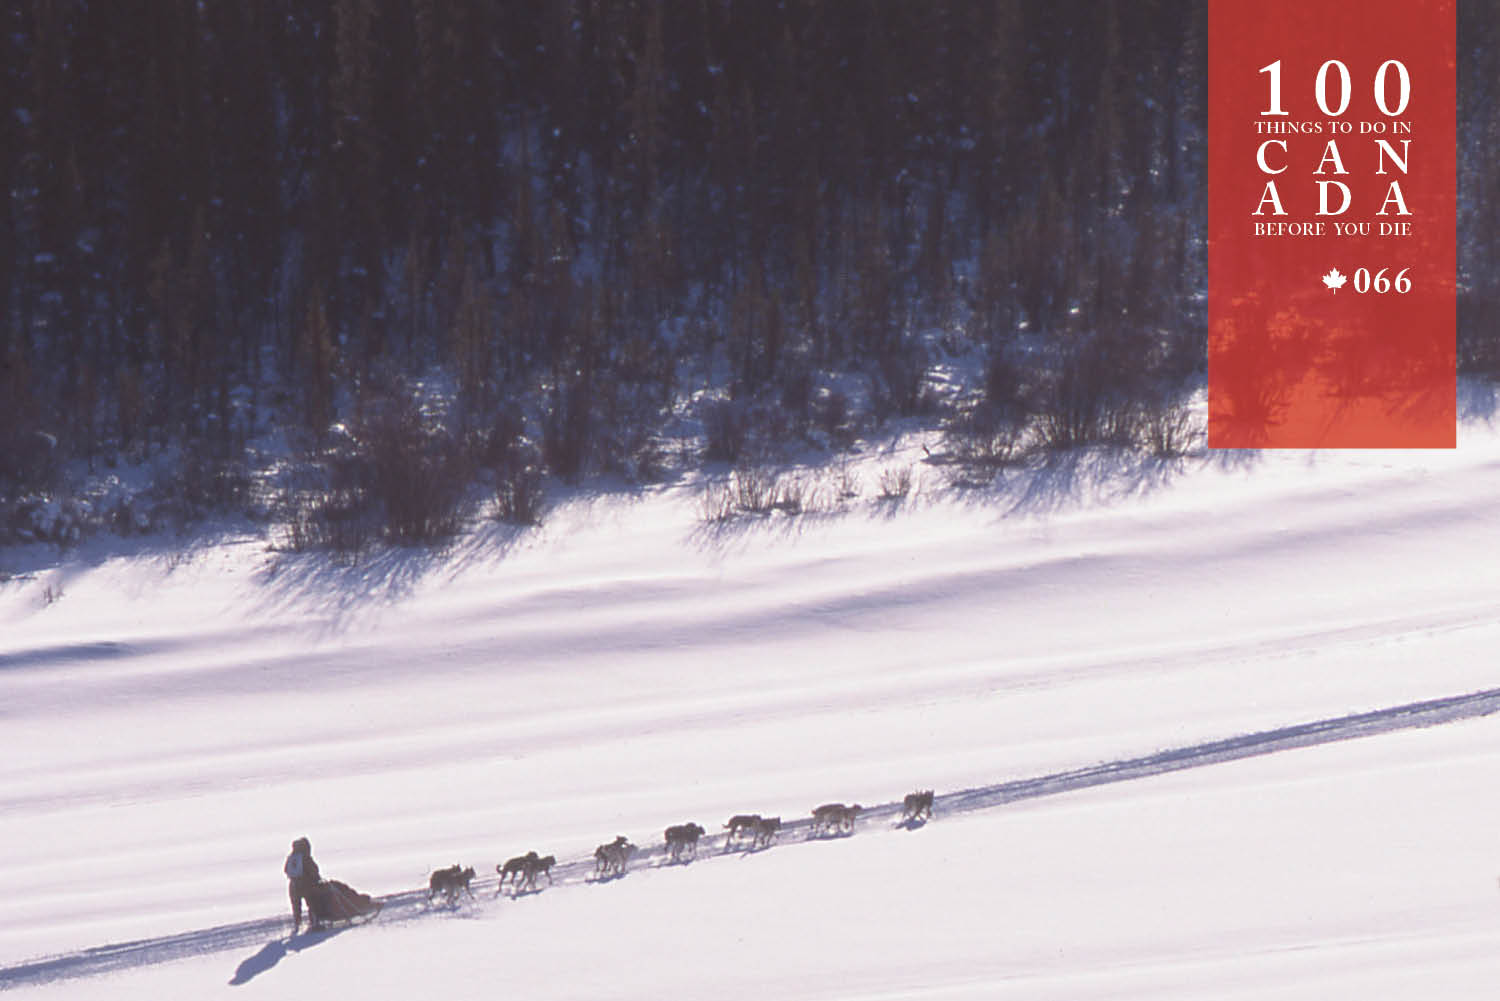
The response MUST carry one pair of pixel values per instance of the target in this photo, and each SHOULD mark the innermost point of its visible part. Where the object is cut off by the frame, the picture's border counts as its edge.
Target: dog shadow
(275, 950)
(527, 891)
(609, 877)
(912, 824)
(450, 905)
(752, 849)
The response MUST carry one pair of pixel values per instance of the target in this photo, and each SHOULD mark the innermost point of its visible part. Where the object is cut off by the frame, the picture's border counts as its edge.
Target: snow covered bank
(172, 724)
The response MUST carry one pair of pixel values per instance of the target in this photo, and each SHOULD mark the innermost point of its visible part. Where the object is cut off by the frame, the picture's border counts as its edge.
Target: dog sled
(331, 901)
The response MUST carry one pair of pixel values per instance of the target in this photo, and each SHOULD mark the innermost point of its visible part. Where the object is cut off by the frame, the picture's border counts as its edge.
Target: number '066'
(1379, 283)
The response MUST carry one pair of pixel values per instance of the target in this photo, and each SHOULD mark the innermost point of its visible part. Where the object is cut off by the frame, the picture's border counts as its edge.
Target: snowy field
(172, 721)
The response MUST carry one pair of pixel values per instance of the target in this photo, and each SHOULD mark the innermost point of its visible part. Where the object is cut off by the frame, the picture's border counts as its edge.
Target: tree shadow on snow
(1101, 476)
(1087, 476)
(275, 950)
(1042, 484)
(738, 532)
(341, 585)
(337, 587)
(167, 549)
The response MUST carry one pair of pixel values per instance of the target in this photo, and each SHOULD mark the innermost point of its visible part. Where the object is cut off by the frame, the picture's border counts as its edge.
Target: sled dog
(611, 858)
(683, 838)
(515, 867)
(917, 805)
(740, 824)
(538, 867)
(831, 817)
(449, 882)
(765, 831)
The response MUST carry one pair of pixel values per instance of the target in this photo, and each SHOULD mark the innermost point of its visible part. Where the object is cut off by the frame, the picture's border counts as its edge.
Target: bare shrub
(756, 489)
(298, 534)
(1081, 405)
(716, 502)
(418, 473)
(846, 483)
(895, 482)
(982, 436)
(1166, 431)
(819, 495)
(792, 495)
(340, 521)
(520, 495)
(520, 486)
(397, 474)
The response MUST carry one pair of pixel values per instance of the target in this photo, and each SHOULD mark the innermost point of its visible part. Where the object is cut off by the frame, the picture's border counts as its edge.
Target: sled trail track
(413, 904)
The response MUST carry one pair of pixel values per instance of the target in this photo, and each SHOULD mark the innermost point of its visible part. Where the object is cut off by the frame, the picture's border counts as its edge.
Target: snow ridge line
(412, 904)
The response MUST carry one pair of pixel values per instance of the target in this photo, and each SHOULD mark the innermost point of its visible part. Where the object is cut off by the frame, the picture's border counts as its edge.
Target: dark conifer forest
(417, 240)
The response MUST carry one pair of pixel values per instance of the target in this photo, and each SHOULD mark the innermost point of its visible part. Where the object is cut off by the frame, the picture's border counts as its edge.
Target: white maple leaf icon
(1334, 280)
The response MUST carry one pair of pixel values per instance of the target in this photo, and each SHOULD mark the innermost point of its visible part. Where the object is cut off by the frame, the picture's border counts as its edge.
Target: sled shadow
(275, 950)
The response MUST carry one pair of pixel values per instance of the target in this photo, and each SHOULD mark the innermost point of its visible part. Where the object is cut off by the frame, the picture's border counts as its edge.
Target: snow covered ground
(172, 720)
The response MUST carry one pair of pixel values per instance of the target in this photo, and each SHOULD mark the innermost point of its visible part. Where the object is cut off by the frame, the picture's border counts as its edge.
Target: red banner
(1331, 218)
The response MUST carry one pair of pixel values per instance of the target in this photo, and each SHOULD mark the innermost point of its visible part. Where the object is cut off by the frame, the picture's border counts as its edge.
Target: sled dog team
(329, 900)
(680, 842)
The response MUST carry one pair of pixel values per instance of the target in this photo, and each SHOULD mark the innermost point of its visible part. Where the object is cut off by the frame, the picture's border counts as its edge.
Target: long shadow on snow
(31, 561)
(1085, 477)
(272, 952)
(1056, 482)
(411, 905)
(336, 588)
